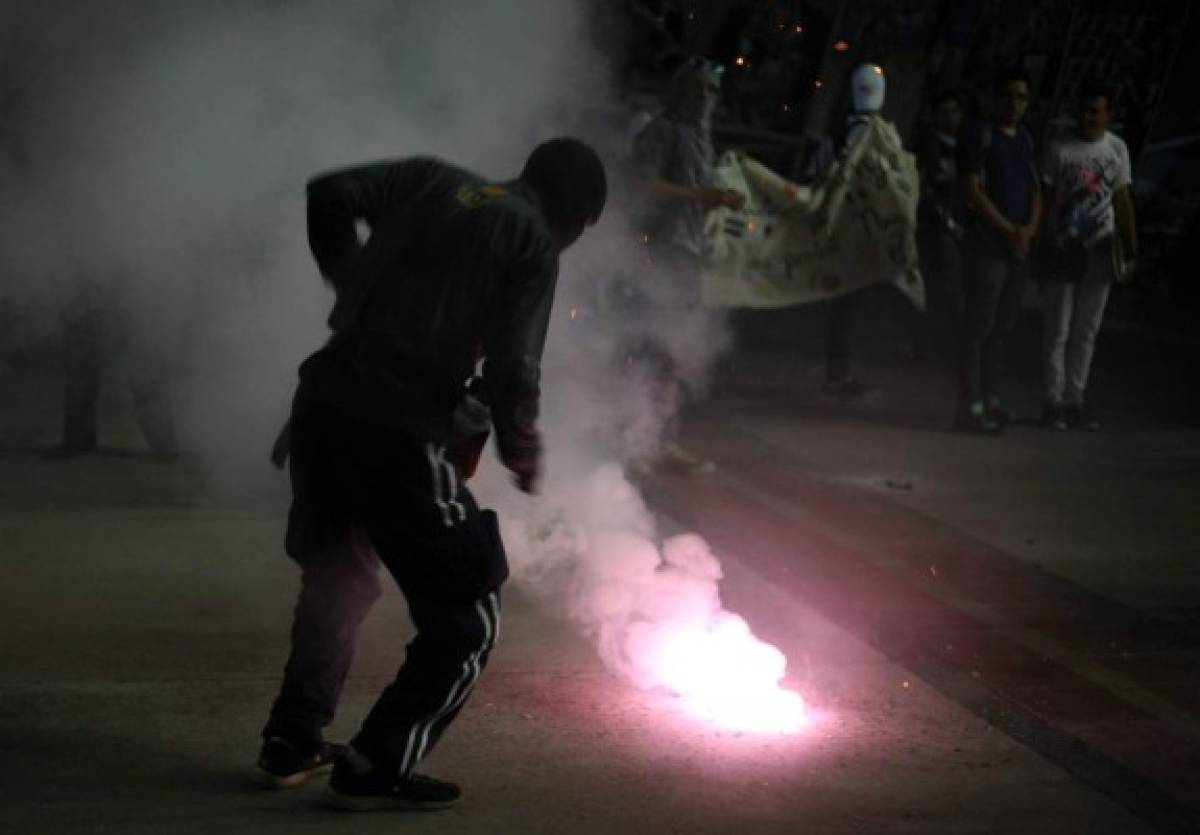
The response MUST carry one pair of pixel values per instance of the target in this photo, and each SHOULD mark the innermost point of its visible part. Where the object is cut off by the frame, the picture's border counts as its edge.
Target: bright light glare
(726, 675)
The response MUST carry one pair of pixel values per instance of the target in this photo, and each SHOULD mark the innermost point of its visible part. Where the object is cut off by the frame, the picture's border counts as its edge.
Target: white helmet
(867, 88)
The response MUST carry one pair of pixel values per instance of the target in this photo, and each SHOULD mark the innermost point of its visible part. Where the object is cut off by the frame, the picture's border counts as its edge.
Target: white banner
(796, 244)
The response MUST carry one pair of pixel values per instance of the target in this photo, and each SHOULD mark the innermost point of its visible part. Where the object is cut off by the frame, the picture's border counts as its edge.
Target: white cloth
(792, 244)
(1084, 176)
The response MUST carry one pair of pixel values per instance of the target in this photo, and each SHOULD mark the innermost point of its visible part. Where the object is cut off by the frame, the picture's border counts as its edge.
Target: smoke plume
(153, 156)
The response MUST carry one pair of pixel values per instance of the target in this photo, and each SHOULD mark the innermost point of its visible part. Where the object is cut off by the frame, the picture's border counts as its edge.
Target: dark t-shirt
(1007, 166)
(456, 267)
(941, 193)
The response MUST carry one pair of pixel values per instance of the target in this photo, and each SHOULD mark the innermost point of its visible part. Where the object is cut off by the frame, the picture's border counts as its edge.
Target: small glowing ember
(725, 675)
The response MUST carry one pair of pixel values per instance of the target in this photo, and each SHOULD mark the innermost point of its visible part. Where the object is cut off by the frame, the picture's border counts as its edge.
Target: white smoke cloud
(157, 153)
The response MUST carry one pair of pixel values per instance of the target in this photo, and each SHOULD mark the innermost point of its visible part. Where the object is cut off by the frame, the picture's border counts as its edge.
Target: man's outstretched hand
(523, 457)
(528, 482)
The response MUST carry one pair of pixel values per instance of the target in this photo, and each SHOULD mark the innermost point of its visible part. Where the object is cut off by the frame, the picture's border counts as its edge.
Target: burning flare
(721, 672)
(654, 613)
(674, 635)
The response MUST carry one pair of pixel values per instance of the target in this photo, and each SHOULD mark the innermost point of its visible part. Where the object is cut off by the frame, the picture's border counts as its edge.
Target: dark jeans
(362, 495)
(995, 283)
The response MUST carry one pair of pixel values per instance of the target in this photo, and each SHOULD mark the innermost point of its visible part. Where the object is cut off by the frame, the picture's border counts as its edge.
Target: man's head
(947, 112)
(1093, 101)
(1011, 97)
(695, 91)
(867, 88)
(569, 178)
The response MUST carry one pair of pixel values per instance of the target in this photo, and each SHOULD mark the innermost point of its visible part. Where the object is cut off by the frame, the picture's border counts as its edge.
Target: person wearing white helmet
(868, 89)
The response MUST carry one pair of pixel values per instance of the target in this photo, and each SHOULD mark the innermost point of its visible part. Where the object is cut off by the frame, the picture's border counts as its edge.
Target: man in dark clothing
(1002, 192)
(384, 432)
(940, 221)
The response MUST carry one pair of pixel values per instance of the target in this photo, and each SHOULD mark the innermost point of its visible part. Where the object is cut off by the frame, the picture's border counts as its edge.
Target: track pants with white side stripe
(363, 495)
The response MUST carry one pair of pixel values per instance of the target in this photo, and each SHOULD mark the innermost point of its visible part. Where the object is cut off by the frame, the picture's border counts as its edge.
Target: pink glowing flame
(723, 674)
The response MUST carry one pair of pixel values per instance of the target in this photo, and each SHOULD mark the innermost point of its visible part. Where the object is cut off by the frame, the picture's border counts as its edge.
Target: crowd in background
(953, 70)
(773, 77)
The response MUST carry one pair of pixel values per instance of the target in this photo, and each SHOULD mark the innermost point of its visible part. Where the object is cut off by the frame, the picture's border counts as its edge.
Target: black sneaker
(379, 790)
(282, 765)
(1077, 417)
(1054, 417)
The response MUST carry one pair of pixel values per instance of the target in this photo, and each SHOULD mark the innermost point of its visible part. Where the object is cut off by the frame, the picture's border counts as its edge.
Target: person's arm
(1028, 231)
(337, 200)
(978, 201)
(512, 371)
(1030, 228)
(855, 133)
(972, 156)
(1126, 223)
(665, 191)
(1123, 205)
(652, 148)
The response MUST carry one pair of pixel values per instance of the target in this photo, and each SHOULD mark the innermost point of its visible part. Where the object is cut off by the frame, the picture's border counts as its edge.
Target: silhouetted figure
(1001, 190)
(96, 326)
(384, 432)
(673, 155)
(868, 88)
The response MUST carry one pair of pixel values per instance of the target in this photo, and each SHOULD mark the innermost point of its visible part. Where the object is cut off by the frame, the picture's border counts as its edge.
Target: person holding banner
(673, 155)
(868, 87)
(1002, 193)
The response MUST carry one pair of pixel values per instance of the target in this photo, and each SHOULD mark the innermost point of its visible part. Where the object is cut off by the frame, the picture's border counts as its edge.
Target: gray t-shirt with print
(1083, 177)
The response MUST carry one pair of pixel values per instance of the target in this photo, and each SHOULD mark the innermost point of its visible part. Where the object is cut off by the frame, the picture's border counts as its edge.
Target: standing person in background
(940, 221)
(97, 328)
(385, 430)
(674, 159)
(1090, 213)
(1002, 192)
(868, 88)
